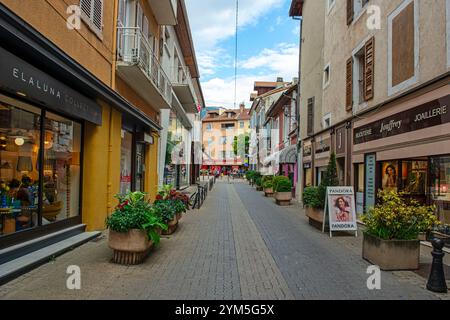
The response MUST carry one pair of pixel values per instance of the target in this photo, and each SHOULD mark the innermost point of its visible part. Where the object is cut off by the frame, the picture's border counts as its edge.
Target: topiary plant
(283, 185)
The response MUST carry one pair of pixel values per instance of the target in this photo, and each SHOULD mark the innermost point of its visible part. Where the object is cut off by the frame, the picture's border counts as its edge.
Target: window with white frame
(92, 15)
(330, 4)
(326, 121)
(326, 76)
(403, 47)
(209, 126)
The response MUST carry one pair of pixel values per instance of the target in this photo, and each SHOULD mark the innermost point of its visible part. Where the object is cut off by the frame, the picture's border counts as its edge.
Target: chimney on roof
(280, 79)
(242, 107)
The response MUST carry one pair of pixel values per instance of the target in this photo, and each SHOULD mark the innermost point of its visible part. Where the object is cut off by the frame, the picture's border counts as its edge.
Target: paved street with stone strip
(239, 245)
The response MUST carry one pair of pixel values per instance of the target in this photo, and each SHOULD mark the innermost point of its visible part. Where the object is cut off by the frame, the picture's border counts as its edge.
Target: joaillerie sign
(427, 115)
(19, 77)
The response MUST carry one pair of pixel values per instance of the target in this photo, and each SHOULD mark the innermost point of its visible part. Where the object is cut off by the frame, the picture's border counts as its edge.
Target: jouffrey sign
(430, 114)
(18, 76)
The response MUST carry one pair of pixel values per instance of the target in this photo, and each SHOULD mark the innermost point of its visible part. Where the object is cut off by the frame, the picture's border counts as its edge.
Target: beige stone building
(219, 127)
(384, 96)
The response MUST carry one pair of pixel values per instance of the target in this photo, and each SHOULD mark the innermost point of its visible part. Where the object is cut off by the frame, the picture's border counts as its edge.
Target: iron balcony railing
(181, 75)
(135, 49)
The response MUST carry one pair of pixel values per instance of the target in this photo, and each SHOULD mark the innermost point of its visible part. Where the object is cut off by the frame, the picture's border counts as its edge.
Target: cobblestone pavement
(239, 245)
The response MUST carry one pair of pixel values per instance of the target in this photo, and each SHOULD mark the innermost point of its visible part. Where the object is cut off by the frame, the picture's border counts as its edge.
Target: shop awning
(273, 157)
(289, 155)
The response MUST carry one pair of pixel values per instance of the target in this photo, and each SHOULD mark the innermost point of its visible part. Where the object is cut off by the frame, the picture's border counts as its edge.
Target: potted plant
(267, 184)
(390, 238)
(258, 182)
(168, 215)
(133, 228)
(283, 191)
(314, 206)
(179, 200)
(316, 203)
(249, 176)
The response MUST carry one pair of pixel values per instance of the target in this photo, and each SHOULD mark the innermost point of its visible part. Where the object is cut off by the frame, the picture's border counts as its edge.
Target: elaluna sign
(427, 115)
(18, 76)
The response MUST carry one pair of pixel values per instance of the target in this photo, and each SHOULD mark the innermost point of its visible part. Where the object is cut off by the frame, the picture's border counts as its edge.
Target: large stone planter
(315, 217)
(179, 215)
(391, 254)
(172, 226)
(259, 188)
(130, 247)
(283, 198)
(268, 192)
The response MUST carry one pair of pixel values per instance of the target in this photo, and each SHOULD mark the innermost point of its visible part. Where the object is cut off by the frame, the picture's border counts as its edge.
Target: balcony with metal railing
(183, 88)
(139, 67)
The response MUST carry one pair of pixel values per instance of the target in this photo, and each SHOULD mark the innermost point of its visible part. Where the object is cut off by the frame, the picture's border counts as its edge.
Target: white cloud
(214, 21)
(266, 66)
(283, 60)
(211, 61)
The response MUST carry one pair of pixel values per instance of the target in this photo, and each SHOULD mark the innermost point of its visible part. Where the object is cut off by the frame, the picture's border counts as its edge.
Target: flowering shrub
(134, 212)
(398, 218)
(170, 202)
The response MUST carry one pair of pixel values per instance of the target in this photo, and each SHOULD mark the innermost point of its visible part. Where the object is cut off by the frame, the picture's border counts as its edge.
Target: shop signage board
(427, 115)
(370, 162)
(20, 77)
(340, 210)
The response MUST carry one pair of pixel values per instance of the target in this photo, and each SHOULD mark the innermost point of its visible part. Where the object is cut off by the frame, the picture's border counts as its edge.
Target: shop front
(177, 166)
(406, 148)
(322, 151)
(41, 148)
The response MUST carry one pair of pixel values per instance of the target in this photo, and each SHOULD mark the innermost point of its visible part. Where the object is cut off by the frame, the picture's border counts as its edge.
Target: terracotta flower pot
(268, 192)
(283, 198)
(172, 226)
(130, 247)
(391, 254)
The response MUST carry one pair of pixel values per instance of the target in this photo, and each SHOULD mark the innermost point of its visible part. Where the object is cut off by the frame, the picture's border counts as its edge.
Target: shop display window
(21, 132)
(126, 151)
(440, 184)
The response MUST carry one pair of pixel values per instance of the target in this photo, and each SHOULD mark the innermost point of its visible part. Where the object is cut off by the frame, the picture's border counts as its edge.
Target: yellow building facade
(69, 106)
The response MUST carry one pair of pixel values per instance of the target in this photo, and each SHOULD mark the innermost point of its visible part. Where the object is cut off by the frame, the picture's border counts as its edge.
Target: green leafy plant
(330, 180)
(277, 179)
(396, 217)
(258, 181)
(267, 182)
(283, 185)
(134, 212)
(311, 198)
(166, 210)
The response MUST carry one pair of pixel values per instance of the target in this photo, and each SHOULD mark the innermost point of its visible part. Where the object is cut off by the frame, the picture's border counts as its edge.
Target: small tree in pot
(133, 228)
(267, 184)
(314, 197)
(283, 191)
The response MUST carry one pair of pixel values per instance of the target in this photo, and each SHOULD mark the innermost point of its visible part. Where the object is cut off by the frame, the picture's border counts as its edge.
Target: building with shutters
(220, 127)
(383, 106)
(82, 107)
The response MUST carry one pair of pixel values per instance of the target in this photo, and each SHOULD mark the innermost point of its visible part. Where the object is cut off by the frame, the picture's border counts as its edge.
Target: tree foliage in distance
(238, 142)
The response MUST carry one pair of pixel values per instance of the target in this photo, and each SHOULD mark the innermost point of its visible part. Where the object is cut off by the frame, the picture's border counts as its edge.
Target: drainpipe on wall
(299, 138)
(110, 133)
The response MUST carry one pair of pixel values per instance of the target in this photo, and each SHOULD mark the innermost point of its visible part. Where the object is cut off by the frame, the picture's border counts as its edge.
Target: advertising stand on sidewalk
(340, 209)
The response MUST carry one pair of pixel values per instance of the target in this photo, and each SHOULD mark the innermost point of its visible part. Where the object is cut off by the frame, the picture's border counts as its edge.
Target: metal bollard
(436, 281)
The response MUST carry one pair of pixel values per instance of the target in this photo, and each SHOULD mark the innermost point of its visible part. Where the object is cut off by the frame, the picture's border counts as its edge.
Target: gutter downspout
(110, 133)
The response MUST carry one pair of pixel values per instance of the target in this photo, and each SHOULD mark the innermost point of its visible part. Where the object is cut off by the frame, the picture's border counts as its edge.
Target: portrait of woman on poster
(390, 178)
(342, 210)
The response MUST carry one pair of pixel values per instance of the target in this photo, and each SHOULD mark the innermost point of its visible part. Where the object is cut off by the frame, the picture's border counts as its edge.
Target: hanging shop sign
(307, 150)
(323, 145)
(341, 139)
(427, 115)
(20, 77)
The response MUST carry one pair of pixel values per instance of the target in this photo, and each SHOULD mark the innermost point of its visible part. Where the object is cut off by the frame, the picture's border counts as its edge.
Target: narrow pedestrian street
(239, 245)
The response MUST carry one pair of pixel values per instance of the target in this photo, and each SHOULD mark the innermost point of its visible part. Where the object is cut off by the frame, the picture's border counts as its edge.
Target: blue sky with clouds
(268, 45)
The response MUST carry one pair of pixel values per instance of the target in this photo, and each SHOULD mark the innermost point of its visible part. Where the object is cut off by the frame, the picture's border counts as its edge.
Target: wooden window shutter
(86, 7)
(310, 119)
(349, 85)
(369, 64)
(350, 11)
(97, 14)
